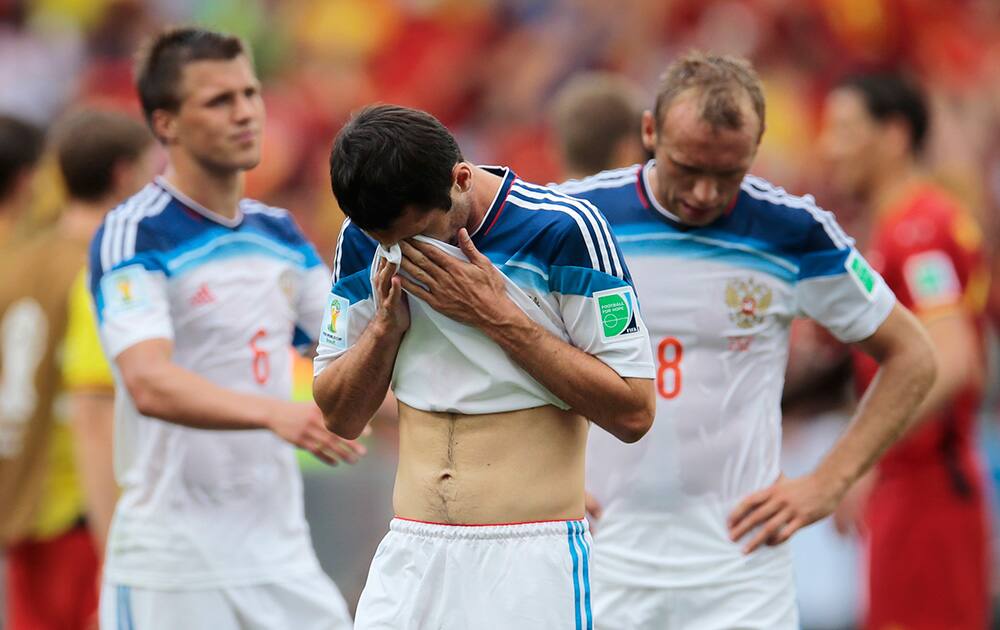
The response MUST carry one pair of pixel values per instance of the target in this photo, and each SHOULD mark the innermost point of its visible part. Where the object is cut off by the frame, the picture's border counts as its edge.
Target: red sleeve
(933, 257)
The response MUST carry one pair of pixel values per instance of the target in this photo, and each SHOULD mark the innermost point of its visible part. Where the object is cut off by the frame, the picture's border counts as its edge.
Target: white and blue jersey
(718, 301)
(201, 508)
(562, 267)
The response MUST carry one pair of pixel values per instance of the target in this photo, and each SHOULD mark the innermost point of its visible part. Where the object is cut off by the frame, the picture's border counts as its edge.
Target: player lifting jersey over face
(504, 317)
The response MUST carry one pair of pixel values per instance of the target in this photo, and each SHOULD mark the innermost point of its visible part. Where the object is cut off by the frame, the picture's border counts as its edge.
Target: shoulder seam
(591, 223)
(762, 190)
(121, 226)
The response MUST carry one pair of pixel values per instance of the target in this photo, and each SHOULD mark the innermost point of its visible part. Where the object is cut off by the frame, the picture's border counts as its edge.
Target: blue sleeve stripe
(596, 224)
(826, 263)
(581, 281)
(355, 287)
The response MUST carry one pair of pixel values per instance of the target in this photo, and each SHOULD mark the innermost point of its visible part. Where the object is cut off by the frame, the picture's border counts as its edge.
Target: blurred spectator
(597, 119)
(925, 516)
(20, 150)
(52, 570)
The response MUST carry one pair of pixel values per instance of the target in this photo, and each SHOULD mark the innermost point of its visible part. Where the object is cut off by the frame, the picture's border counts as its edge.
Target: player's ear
(461, 175)
(164, 125)
(649, 131)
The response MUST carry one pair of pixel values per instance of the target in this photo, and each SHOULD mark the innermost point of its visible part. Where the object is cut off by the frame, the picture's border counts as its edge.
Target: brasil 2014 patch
(616, 313)
(334, 329)
(125, 290)
(862, 274)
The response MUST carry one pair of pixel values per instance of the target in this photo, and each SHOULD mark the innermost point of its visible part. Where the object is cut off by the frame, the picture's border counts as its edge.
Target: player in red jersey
(925, 515)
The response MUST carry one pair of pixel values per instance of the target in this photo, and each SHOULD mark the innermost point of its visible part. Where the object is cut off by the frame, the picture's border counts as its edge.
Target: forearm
(92, 423)
(587, 385)
(884, 413)
(172, 393)
(350, 390)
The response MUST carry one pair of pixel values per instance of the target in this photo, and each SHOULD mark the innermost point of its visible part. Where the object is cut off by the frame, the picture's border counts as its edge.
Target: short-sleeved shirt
(930, 252)
(719, 301)
(562, 266)
(202, 508)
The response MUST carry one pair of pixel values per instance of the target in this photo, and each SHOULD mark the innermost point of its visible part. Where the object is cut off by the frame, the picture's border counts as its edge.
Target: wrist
(838, 481)
(385, 329)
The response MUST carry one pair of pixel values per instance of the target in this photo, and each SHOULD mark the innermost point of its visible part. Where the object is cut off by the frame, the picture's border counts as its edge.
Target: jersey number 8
(668, 368)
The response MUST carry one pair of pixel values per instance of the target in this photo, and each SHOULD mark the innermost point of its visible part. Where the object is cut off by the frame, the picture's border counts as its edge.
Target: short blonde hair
(719, 80)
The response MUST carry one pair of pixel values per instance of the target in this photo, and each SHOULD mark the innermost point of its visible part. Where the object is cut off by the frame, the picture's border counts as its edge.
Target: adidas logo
(202, 296)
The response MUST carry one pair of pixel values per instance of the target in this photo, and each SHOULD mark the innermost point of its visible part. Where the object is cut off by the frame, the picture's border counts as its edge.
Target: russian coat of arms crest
(748, 301)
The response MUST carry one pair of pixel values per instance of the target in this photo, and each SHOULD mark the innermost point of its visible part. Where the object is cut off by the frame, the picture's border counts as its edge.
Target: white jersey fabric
(562, 267)
(718, 301)
(203, 509)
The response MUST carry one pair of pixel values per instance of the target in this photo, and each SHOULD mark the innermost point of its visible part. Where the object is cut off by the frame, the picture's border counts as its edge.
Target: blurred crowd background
(490, 69)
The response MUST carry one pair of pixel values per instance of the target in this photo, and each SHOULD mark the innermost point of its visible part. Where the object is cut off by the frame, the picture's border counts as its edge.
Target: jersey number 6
(261, 362)
(668, 370)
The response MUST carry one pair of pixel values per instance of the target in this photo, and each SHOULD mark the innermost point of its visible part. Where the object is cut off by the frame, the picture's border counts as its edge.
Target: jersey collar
(196, 207)
(499, 200)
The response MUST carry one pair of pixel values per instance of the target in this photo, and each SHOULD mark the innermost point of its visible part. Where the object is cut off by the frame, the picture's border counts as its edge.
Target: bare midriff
(513, 467)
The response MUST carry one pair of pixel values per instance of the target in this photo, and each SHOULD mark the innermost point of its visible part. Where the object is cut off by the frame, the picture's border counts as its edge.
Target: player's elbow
(631, 426)
(635, 418)
(343, 428)
(141, 386)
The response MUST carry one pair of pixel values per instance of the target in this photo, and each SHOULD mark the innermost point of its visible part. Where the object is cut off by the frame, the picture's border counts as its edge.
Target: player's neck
(892, 183)
(215, 191)
(484, 189)
(80, 219)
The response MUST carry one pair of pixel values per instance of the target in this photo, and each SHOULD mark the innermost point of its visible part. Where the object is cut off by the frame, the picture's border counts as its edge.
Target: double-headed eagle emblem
(748, 302)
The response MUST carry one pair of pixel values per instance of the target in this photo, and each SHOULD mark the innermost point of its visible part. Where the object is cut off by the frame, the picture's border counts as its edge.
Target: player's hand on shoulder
(301, 425)
(774, 513)
(393, 311)
(471, 292)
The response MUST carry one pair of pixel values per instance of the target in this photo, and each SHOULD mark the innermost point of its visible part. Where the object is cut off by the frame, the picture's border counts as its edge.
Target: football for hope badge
(334, 330)
(616, 313)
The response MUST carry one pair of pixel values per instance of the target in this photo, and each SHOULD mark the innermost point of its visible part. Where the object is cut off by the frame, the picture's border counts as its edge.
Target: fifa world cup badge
(334, 330)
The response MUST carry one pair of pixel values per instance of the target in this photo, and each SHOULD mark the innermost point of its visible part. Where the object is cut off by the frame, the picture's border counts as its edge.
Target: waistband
(497, 531)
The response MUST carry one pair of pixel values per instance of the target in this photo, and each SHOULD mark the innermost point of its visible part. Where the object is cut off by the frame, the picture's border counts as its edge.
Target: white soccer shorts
(530, 576)
(310, 602)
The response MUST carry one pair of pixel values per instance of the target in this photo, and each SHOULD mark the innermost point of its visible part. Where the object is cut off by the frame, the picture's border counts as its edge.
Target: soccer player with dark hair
(199, 295)
(694, 518)
(924, 507)
(505, 319)
(20, 149)
(51, 511)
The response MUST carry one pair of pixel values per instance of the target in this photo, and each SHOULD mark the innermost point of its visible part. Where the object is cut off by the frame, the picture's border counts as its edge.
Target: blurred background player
(695, 514)
(199, 295)
(925, 513)
(53, 570)
(597, 119)
(21, 146)
(518, 323)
